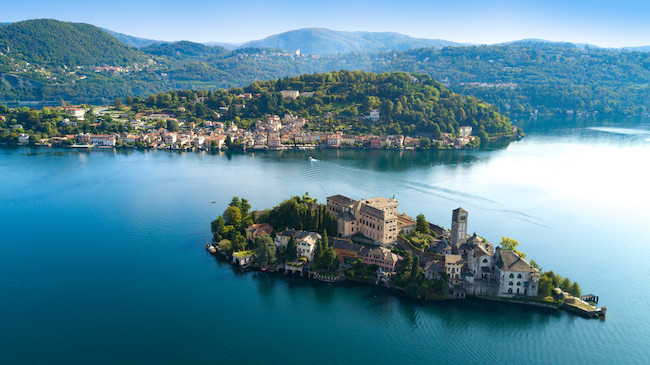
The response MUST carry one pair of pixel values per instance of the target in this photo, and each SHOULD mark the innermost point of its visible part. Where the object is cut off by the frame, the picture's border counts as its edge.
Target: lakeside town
(163, 130)
(372, 242)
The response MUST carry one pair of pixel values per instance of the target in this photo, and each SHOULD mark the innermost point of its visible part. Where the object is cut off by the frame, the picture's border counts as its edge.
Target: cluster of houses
(369, 228)
(272, 133)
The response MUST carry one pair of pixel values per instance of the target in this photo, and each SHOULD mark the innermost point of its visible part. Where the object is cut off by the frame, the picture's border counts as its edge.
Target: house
(306, 242)
(453, 268)
(374, 115)
(23, 138)
(103, 140)
(464, 131)
(374, 218)
(515, 275)
(242, 258)
(346, 250)
(255, 230)
(290, 94)
(405, 223)
(169, 138)
(433, 270)
(382, 257)
(275, 143)
(76, 112)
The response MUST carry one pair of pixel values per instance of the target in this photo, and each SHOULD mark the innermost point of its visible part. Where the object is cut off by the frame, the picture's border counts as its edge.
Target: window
(510, 291)
(512, 276)
(519, 276)
(519, 283)
(510, 283)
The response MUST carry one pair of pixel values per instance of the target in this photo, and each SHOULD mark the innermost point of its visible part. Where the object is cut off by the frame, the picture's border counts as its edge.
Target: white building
(305, 242)
(290, 94)
(103, 140)
(23, 138)
(515, 275)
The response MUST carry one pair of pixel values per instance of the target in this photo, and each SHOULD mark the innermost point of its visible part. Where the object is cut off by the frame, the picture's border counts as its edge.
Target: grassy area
(242, 254)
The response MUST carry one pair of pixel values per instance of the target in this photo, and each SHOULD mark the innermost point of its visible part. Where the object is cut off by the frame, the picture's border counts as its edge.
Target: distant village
(373, 233)
(272, 133)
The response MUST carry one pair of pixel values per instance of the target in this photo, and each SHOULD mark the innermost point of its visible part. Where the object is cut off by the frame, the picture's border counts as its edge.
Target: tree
(232, 216)
(326, 242)
(291, 248)
(118, 104)
(545, 286)
(328, 260)
(217, 226)
(265, 252)
(238, 242)
(228, 141)
(575, 289)
(510, 244)
(565, 284)
(172, 125)
(425, 142)
(422, 224)
(415, 269)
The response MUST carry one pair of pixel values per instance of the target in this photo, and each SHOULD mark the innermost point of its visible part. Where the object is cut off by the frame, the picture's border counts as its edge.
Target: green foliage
(232, 216)
(575, 289)
(290, 251)
(265, 251)
(300, 213)
(550, 280)
(545, 286)
(510, 244)
(359, 272)
(56, 43)
(422, 225)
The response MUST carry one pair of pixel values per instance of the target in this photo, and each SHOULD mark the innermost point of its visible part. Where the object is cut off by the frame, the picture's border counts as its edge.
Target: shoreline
(534, 304)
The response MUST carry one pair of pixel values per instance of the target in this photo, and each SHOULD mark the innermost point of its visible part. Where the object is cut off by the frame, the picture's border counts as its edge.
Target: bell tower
(458, 227)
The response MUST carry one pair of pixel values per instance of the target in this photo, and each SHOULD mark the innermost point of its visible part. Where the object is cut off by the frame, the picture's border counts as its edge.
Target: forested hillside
(520, 79)
(408, 104)
(48, 42)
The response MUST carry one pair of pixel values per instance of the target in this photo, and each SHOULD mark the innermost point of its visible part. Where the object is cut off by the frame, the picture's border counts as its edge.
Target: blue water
(102, 258)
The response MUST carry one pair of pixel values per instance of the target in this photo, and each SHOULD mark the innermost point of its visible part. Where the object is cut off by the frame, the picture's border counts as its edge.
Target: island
(372, 242)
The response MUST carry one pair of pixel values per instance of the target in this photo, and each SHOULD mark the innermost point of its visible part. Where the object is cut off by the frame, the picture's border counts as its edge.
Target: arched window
(509, 290)
(519, 283)
(510, 283)
(485, 261)
(512, 276)
(519, 276)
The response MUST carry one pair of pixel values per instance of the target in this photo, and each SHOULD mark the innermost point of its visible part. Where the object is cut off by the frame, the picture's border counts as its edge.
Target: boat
(211, 248)
(312, 159)
(214, 201)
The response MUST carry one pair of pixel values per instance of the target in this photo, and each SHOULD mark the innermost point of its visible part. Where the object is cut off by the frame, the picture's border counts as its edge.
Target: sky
(618, 23)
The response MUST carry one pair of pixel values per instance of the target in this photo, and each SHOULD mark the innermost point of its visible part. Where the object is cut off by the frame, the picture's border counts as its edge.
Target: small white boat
(214, 201)
(312, 159)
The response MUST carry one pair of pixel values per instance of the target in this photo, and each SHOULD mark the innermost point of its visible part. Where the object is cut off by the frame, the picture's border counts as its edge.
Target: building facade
(374, 218)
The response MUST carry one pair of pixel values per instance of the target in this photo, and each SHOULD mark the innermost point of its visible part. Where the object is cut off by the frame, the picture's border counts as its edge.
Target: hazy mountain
(226, 45)
(543, 42)
(321, 41)
(52, 42)
(132, 41)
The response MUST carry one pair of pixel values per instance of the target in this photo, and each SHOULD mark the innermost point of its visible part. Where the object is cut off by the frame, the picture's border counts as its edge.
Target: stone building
(374, 218)
(515, 275)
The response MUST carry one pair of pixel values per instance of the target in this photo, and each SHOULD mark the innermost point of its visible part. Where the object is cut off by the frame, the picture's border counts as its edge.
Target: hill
(55, 43)
(322, 41)
(408, 104)
(131, 41)
(184, 49)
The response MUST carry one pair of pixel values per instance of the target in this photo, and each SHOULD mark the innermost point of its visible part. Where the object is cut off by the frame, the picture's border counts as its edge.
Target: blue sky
(604, 23)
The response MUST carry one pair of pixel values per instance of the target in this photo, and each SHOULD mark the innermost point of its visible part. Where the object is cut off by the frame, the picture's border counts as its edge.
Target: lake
(103, 261)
